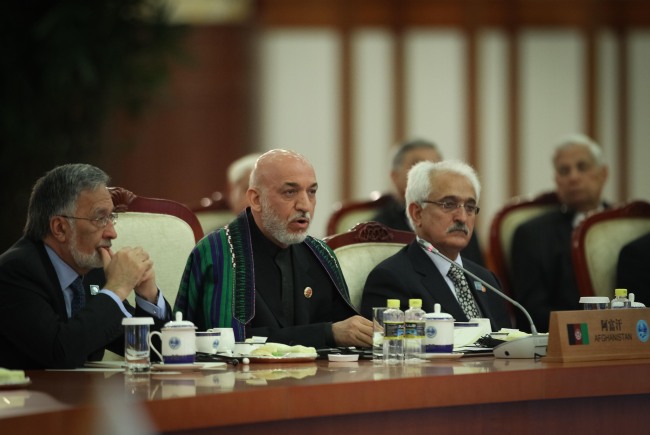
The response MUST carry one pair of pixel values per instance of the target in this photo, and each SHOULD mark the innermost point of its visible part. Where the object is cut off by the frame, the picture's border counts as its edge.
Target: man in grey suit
(442, 204)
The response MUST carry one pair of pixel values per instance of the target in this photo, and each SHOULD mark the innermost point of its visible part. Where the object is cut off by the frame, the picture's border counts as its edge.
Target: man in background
(239, 173)
(393, 214)
(544, 279)
(630, 269)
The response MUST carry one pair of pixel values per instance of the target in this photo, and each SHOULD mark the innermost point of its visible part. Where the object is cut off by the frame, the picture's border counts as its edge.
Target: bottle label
(393, 330)
(414, 329)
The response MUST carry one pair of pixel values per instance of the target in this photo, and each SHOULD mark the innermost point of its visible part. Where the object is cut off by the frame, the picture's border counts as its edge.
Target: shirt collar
(64, 272)
(442, 264)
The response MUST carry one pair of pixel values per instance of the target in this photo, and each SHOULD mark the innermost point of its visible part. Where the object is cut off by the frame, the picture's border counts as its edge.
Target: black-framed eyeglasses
(450, 206)
(99, 222)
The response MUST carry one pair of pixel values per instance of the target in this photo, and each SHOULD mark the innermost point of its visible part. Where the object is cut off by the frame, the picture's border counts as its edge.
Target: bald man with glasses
(62, 288)
(442, 204)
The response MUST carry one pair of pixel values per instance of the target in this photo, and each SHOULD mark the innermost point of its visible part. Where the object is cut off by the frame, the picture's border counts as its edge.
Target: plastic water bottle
(413, 329)
(393, 332)
(620, 300)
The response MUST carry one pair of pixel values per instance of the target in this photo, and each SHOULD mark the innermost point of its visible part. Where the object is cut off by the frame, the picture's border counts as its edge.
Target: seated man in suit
(442, 205)
(393, 213)
(630, 270)
(263, 275)
(544, 280)
(49, 318)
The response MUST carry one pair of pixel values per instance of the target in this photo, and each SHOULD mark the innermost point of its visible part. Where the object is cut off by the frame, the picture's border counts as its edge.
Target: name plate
(597, 335)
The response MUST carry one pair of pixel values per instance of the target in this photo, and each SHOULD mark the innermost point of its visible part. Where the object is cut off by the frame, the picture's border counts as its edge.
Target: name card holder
(598, 335)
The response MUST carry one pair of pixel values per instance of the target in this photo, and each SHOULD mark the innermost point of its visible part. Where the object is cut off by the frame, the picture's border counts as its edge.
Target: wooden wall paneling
(345, 114)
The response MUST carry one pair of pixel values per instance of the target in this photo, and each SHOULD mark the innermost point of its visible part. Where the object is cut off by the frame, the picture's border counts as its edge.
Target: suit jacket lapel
(434, 283)
(51, 281)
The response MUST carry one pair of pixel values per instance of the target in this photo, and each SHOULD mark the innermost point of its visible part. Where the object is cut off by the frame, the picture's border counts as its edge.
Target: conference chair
(354, 212)
(361, 249)
(213, 212)
(166, 229)
(517, 211)
(597, 242)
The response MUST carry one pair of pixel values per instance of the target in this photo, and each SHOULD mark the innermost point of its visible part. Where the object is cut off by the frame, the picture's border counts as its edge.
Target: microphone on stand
(526, 347)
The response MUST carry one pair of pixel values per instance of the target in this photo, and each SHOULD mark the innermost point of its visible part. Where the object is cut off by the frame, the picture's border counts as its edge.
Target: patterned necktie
(465, 297)
(78, 296)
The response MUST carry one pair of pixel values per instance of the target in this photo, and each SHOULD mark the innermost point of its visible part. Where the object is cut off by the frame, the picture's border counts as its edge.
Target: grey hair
(241, 167)
(404, 148)
(57, 192)
(581, 140)
(418, 186)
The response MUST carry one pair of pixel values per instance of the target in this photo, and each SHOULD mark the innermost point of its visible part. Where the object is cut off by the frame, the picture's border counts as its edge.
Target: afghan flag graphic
(578, 333)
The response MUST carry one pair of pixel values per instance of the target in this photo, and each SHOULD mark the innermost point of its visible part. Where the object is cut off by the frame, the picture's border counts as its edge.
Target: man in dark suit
(544, 279)
(49, 317)
(630, 270)
(263, 275)
(442, 203)
(393, 213)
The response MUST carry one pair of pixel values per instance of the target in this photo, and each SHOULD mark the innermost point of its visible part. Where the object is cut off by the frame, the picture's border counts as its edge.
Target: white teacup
(178, 340)
(227, 341)
(208, 341)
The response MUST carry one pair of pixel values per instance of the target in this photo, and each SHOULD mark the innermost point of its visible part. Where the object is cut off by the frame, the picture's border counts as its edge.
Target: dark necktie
(465, 297)
(78, 296)
(283, 261)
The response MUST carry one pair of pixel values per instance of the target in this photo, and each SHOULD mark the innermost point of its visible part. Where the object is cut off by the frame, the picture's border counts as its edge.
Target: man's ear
(60, 228)
(415, 211)
(254, 199)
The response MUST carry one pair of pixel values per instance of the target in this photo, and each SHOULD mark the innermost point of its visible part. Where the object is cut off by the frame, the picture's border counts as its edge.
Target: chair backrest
(213, 212)
(505, 222)
(598, 240)
(361, 249)
(166, 229)
(352, 213)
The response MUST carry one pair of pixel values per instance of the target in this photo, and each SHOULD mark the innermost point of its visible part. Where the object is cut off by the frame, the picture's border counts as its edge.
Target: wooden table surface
(480, 394)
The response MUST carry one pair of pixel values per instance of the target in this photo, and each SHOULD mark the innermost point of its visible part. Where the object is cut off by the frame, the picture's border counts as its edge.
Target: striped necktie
(78, 296)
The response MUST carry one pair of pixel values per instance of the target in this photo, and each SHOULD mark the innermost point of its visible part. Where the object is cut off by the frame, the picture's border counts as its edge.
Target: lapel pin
(479, 287)
(308, 292)
(94, 289)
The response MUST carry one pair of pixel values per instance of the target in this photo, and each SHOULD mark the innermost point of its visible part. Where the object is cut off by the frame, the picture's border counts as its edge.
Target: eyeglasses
(449, 206)
(99, 222)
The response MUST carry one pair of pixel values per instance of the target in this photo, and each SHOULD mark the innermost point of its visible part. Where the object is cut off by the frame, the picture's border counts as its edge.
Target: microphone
(526, 347)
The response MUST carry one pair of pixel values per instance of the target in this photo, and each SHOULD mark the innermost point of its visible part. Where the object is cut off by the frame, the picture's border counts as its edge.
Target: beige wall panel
(435, 89)
(372, 88)
(552, 80)
(299, 105)
(492, 128)
(639, 84)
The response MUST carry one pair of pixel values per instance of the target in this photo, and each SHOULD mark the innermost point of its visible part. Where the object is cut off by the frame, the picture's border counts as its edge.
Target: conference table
(460, 395)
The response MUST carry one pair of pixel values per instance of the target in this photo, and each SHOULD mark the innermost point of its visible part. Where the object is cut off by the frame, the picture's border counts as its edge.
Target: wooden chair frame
(125, 200)
(499, 261)
(580, 253)
(355, 206)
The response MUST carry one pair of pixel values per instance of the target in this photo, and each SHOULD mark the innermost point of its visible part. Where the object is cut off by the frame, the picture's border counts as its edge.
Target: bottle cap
(392, 303)
(620, 292)
(415, 303)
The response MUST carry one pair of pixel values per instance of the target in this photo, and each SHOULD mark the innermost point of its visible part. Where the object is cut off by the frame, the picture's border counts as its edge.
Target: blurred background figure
(630, 270)
(544, 279)
(239, 173)
(393, 213)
